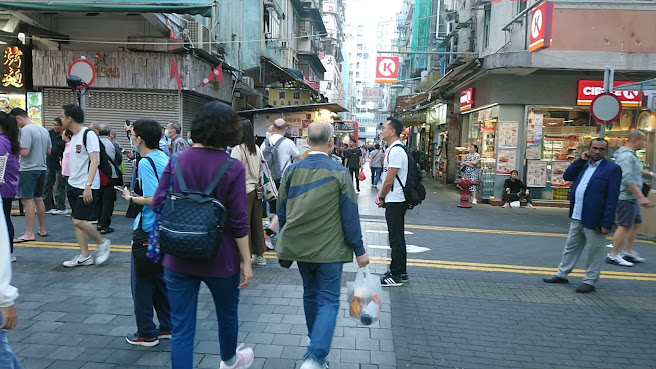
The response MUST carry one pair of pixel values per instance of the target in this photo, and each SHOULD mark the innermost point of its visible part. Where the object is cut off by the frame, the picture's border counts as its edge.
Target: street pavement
(476, 300)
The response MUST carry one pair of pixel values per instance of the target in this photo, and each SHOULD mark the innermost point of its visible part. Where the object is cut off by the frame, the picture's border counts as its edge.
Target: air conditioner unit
(464, 40)
(250, 82)
(464, 15)
(199, 35)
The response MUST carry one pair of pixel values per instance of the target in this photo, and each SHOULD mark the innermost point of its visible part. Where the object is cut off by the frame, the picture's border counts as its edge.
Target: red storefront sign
(589, 89)
(542, 26)
(387, 69)
(467, 99)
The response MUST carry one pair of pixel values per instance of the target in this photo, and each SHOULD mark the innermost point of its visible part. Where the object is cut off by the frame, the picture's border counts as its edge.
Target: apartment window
(359, 46)
(357, 65)
(357, 74)
(271, 25)
(521, 5)
(486, 26)
(366, 55)
(359, 55)
(358, 83)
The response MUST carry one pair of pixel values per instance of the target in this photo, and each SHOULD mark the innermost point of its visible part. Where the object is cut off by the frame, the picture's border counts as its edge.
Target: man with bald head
(107, 194)
(320, 230)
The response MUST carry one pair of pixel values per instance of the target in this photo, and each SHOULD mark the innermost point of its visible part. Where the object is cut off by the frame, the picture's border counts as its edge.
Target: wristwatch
(87, 185)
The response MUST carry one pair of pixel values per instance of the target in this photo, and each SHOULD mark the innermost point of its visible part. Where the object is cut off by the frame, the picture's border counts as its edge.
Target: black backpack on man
(413, 190)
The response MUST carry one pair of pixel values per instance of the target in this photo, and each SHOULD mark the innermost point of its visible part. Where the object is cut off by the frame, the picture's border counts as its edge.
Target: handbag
(135, 209)
(4, 160)
(190, 223)
(258, 186)
(362, 176)
(142, 265)
(645, 189)
(269, 189)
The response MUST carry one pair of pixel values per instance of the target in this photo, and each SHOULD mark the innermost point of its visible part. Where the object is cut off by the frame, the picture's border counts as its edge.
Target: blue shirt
(149, 183)
(580, 190)
(164, 146)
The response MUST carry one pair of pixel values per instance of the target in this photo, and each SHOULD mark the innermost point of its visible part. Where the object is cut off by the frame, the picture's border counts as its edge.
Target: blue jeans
(183, 295)
(148, 292)
(375, 174)
(321, 283)
(8, 359)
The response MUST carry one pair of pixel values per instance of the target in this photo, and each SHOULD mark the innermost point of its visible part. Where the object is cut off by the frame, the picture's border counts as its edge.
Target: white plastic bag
(364, 297)
(515, 204)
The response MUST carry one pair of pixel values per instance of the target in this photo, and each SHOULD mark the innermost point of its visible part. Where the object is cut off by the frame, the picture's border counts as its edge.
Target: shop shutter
(191, 105)
(115, 108)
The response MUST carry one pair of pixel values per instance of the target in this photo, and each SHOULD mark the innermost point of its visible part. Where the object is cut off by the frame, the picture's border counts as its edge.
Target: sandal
(106, 230)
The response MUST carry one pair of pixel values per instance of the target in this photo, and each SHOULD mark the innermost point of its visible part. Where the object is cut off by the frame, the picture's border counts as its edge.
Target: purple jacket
(199, 166)
(9, 190)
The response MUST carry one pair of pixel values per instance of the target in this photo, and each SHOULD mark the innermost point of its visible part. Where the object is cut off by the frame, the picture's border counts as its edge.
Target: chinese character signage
(372, 94)
(289, 97)
(13, 64)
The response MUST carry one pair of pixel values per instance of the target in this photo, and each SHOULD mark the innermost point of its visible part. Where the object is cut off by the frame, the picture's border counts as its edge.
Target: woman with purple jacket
(215, 127)
(10, 146)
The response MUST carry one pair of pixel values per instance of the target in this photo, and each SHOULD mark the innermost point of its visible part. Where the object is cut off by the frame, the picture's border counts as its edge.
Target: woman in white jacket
(8, 294)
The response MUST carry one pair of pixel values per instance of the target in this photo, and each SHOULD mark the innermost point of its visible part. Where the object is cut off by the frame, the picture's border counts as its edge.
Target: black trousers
(395, 216)
(105, 206)
(509, 197)
(55, 185)
(355, 172)
(6, 208)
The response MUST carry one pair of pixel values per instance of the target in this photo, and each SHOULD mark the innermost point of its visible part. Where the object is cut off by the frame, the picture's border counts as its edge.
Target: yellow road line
(488, 231)
(434, 264)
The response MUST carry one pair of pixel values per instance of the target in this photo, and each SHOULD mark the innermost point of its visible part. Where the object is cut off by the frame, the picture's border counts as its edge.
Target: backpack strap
(219, 175)
(397, 176)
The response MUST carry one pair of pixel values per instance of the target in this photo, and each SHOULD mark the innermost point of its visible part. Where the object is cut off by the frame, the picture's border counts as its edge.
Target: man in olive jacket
(320, 229)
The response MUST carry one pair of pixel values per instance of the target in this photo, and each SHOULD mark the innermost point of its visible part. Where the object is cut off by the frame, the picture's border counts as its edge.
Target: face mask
(134, 147)
(190, 141)
(167, 134)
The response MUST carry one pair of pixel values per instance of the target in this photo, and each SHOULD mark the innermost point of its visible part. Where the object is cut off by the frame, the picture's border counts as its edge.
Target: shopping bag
(362, 176)
(515, 204)
(364, 297)
(269, 190)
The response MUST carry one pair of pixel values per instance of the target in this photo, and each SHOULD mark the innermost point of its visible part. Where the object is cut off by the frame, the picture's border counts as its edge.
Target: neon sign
(13, 64)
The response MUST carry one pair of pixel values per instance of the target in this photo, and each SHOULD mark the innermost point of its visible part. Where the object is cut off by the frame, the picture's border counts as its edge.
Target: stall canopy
(202, 7)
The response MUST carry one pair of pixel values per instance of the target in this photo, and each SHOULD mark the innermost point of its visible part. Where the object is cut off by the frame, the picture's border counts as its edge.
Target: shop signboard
(467, 99)
(542, 21)
(558, 169)
(589, 89)
(507, 161)
(372, 94)
(13, 68)
(387, 69)
(289, 97)
(508, 134)
(536, 173)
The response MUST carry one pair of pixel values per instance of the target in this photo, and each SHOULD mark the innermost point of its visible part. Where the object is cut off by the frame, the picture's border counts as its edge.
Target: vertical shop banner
(536, 173)
(507, 161)
(534, 136)
(467, 99)
(387, 69)
(558, 168)
(542, 21)
(508, 134)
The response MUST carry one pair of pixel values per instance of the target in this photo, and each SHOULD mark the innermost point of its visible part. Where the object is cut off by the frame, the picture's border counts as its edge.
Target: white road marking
(375, 231)
(412, 249)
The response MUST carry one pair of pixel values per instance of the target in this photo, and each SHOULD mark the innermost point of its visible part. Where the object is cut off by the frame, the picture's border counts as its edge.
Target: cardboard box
(648, 227)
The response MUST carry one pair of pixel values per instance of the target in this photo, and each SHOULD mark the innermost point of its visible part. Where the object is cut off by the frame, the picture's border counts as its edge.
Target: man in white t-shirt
(391, 197)
(83, 186)
(286, 153)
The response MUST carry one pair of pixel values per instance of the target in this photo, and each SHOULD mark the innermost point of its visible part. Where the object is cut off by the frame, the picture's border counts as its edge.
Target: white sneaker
(258, 260)
(59, 212)
(311, 364)
(632, 257)
(78, 260)
(474, 201)
(13, 258)
(244, 358)
(617, 260)
(610, 245)
(102, 253)
(51, 211)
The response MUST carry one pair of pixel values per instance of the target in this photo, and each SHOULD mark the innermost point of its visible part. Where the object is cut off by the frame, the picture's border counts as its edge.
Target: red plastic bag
(362, 176)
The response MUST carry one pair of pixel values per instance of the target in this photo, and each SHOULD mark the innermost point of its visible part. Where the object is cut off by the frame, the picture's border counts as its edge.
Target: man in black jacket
(54, 180)
(515, 190)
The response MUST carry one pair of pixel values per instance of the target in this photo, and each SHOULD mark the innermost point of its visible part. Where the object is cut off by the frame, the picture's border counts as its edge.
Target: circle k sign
(387, 69)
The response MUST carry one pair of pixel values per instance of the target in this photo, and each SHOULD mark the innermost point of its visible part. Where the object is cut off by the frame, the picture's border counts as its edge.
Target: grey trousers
(578, 239)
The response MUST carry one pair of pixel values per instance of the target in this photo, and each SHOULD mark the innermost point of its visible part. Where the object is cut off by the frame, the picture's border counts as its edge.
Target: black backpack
(105, 163)
(413, 190)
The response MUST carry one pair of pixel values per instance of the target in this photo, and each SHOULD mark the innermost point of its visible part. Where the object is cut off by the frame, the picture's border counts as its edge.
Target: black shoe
(555, 279)
(585, 288)
(388, 280)
(405, 278)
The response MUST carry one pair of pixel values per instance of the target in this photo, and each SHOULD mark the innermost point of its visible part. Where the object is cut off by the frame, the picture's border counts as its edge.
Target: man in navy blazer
(594, 198)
